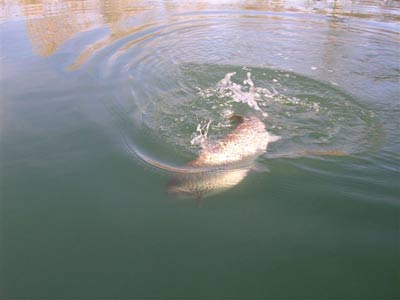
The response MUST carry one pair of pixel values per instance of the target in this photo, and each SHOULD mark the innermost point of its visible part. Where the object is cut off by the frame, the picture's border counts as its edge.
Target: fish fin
(274, 138)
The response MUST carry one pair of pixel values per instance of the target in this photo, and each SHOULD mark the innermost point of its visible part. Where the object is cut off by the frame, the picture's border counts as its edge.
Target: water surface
(86, 85)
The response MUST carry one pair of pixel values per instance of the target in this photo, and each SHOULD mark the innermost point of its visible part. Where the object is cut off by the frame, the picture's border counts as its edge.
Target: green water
(85, 84)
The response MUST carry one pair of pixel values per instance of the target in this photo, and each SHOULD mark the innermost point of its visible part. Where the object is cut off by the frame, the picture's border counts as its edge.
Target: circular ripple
(308, 114)
(165, 80)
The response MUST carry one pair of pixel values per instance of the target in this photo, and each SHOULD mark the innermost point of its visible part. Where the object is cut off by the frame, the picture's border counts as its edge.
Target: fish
(222, 164)
(228, 160)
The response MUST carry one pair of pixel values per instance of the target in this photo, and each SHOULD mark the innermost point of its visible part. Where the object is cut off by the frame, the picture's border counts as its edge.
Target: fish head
(180, 186)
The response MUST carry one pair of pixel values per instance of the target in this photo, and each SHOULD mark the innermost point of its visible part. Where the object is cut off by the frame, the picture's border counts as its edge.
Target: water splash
(239, 93)
(200, 136)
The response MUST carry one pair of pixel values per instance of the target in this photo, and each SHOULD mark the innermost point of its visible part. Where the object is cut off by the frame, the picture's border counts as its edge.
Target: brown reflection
(333, 49)
(109, 39)
(51, 23)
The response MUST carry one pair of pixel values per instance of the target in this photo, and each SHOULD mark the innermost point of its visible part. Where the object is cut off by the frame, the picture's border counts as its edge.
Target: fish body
(248, 140)
(200, 185)
(240, 148)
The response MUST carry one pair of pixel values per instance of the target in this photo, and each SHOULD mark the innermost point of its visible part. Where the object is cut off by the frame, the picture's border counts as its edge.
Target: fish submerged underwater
(237, 151)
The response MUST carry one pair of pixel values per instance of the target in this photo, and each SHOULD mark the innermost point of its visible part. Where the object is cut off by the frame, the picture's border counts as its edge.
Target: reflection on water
(50, 25)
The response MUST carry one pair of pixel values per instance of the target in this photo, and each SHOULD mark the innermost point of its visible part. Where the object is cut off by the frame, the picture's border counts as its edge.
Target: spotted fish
(228, 159)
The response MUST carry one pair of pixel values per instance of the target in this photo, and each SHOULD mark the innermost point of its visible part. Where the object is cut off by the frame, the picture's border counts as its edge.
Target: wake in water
(315, 120)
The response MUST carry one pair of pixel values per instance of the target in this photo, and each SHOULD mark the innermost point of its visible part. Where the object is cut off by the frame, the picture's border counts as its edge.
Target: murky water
(90, 88)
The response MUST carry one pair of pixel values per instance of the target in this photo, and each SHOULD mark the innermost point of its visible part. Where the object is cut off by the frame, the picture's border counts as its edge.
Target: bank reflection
(51, 24)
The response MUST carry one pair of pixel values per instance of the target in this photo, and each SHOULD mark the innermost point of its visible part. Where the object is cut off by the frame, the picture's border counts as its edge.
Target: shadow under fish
(226, 162)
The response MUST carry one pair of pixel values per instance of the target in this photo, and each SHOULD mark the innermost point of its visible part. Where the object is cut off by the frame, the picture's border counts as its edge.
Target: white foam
(200, 136)
(235, 90)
